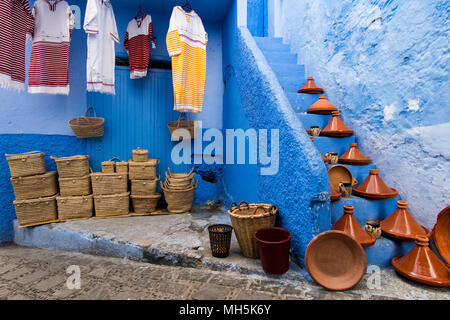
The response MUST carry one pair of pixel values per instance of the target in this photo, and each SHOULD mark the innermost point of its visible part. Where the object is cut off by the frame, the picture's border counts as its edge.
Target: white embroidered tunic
(100, 25)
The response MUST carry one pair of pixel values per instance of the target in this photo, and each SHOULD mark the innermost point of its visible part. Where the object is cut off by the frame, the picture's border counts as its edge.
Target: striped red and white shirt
(139, 32)
(16, 22)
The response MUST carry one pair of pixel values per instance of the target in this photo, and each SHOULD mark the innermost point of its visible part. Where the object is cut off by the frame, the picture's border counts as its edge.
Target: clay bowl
(335, 261)
(441, 235)
(338, 174)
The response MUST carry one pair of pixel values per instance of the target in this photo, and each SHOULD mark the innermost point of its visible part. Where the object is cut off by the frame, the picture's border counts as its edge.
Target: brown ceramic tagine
(422, 265)
(348, 224)
(310, 87)
(323, 158)
(353, 156)
(401, 225)
(373, 187)
(441, 235)
(336, 127)
(335, 260)
(322, 106)
(334, 195)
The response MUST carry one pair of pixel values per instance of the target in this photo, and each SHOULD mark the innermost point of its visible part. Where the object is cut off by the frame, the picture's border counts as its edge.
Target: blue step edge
(330, 144)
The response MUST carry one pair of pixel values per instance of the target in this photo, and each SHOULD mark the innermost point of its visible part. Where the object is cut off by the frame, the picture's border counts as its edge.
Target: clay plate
(335, 261)
(339, 173)
(376, 196)
(441, 235)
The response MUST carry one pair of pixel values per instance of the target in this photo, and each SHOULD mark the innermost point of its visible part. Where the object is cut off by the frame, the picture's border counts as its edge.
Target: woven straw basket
(75, 166)
(144, 187)
(143, 170)
(179, 201)
(249, 218)
(32, 187)
(145, 204)
(70, 187)
(187, 124)
(109, 183)
(112, 205)
(75, 207)
(36, 211)
(179, 175)
(109, 166)
(122, 167)
(26, 164)
(140, 155)
(88, 127)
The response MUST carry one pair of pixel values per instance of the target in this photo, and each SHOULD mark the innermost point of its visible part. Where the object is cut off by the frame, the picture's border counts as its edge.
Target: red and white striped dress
(16, 22)
(49, 65)
(139, 32)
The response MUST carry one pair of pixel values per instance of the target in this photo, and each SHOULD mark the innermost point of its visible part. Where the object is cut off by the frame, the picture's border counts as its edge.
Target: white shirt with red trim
(100, 25)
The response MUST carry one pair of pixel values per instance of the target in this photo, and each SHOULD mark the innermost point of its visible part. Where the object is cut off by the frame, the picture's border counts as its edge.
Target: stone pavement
(31, 273)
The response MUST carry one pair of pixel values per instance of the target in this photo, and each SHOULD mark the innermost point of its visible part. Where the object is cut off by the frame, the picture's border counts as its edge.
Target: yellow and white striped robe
(186, 44)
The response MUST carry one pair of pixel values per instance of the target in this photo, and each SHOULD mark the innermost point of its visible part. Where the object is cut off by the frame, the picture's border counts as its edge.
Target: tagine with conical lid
(336, 127)
(422, 265)
(323, 158)
(353, 156)
(310, 87)
(373, 187)
(401, 225)
(348, 224)
(322, 106)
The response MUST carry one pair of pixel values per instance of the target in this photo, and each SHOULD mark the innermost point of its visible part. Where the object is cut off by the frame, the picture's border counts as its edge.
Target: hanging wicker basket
(112, 205)
(187, 124)
(140, 155)
(75, 207)
(36, 211)
(26, 164)
(88, 127)
(179, 201)
(75, 166)
(71, 187)
(249, 218)
(32, 187)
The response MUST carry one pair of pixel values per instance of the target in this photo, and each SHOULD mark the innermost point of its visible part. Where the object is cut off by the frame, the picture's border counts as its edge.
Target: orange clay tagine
(348, 224)
(323, 158)
(373, 187)
(310, 87)
(322, 106)
(401, 225)
(441, 235)
(336, 127)
(354, 157)
(422, 265)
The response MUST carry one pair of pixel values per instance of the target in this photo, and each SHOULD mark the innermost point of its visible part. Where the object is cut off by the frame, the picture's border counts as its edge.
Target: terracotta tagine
(334, 195)
(310, 87)
(422, 265)
(348, 224)
(441, 235)
(323, 158)
(335, 260)
(322, 106)
(353, 156)
(373, 187)
(401, 225)
(336, 127)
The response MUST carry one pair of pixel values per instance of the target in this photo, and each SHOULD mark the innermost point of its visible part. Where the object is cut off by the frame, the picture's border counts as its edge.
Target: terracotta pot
(401, 225)
(334, 195)
(354, 157)
(345, 188)
(441, 235)
(332, 157)
(336, 127)
(373, 227)
(323, 158)
(338, 174)
(315, 131)
(335, 260)
(310, 87)
(422, 265)
(373, 187)
(322, 106)
(348, 224)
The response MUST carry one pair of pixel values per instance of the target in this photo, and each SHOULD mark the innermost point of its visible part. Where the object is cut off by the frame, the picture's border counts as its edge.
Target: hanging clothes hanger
(140, 13)
(187, 6)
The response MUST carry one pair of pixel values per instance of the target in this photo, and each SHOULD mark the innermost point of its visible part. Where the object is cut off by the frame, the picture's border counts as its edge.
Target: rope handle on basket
(22, 154)
(115, 158)
(179, 118)
(231, 205)
(260, 207)
(87, 110)
(243, 202)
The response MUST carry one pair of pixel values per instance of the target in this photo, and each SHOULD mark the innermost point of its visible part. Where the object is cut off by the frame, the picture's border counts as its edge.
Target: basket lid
(24, 155)
(139, 150)
(76, 157)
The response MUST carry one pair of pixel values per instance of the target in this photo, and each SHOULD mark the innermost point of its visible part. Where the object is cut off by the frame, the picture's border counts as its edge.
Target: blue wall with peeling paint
(385, 64)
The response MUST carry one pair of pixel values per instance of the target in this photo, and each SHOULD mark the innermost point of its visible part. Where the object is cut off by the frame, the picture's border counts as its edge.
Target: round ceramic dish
(335, 261)
(338, 174)
(441, 235)
(376, 196)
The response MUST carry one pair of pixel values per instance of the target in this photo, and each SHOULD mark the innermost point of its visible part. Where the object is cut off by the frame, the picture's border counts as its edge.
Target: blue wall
(385, 64)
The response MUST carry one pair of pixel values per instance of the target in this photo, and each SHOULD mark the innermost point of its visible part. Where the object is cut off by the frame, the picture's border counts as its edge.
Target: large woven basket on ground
(70, 187)
(112, 205)
(36, 211)
(32, 187)
(187, 124)
(88, 127)
(75, 207)
(249, 218)
(109, 183)
(179, 201)
(145, 204)
(143, 187)
(143, 170)
(75, 166)
(26, 164)
(140, 155)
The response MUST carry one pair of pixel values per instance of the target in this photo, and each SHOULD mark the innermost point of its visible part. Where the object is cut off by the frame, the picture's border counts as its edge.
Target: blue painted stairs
(291, 77)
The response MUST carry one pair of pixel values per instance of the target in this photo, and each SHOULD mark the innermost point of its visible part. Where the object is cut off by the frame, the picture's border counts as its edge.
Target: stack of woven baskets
(35, 189)
(143, 182)
(179, 190)
(75, 200)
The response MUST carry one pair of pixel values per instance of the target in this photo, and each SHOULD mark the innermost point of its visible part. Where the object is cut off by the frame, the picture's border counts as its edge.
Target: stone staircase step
(330, 144)
(358, 172)
(281, 57)
(309, 120)
(290, 70)
(272, 44)
(300, 102)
